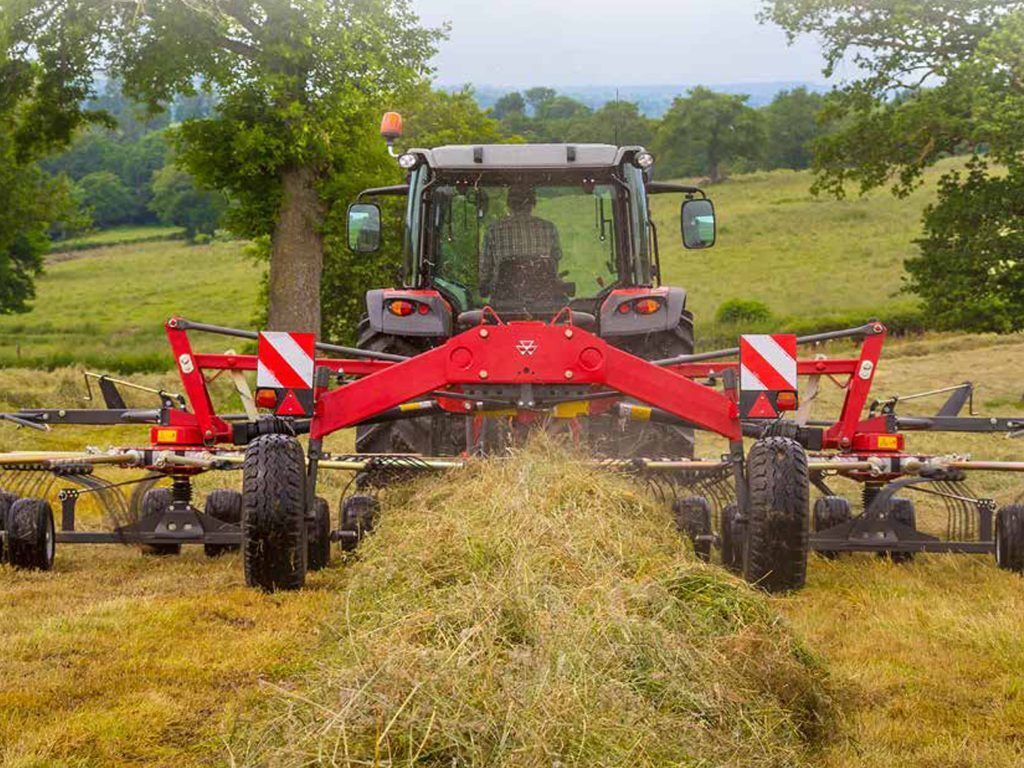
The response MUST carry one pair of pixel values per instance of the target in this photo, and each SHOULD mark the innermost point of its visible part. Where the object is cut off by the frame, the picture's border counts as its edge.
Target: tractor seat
(473, 317)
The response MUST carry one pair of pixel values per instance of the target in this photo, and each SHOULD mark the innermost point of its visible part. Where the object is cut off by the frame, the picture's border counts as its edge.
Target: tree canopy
(935, 79)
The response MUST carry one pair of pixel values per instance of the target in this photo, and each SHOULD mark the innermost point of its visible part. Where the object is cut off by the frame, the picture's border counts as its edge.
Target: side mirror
(363, 227)
(697, 221)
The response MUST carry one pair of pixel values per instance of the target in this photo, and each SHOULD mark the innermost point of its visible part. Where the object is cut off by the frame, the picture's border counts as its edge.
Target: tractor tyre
(155, 501)
(358, 516)
(1010, 538)
(648, 439)
(31, 536)
(830, 511)
(775, 551)
(274, 513)
(427, 435)
(7, 500)
(318, 534)
(731, 534)
(693, 518)
(902, 511)
(225, 505)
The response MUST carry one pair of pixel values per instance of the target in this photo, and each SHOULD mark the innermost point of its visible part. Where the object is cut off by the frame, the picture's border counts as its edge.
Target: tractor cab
(528, 229)
(526, 232)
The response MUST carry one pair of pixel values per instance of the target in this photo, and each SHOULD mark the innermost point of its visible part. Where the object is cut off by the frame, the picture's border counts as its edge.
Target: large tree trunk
(297, 255)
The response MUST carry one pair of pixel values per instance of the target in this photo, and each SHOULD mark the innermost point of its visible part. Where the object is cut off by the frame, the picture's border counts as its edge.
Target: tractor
(524, 232)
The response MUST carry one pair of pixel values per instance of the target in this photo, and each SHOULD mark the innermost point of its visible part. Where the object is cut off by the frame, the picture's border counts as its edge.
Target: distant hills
(653, 100)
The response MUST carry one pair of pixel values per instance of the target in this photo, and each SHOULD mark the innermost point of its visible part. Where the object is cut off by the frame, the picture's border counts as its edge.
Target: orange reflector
(646, 306)
(266, 398)
(391, 126)
(786, 401)
(888, 442)
(401, 308)
(167, 435)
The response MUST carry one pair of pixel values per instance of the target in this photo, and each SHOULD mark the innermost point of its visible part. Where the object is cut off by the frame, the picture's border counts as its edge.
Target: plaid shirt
(516, 237)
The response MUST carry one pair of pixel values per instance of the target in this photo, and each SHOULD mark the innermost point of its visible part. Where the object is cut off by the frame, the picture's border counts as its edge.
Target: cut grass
(517, 613)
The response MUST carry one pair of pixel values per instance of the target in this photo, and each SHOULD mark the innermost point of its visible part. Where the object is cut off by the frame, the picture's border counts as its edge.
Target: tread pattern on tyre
(902, 511)
(830, 511)
(273, 513)
(319, 546)
(649, 439)
(428, 435)
(693, 518)
(155, 501)
(775, 552)
(224, 504)
(7, 499)
(30, 534)
(1010, 538)
(731, 533)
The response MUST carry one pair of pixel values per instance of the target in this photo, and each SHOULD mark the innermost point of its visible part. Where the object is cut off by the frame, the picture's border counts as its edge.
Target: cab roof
(547, 156)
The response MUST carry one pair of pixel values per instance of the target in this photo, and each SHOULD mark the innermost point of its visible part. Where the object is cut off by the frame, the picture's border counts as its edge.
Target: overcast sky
(613, 42)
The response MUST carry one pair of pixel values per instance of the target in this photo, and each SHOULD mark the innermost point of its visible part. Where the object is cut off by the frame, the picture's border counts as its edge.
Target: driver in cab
(518, 236)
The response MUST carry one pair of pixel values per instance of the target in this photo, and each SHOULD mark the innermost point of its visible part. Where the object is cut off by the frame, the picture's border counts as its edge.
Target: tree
(791, 125)
(178, 202)
(704, 131)
(936, 78)
(508, 105)
(537, 97)
(298, 81)
(105, 197)
(617, 122)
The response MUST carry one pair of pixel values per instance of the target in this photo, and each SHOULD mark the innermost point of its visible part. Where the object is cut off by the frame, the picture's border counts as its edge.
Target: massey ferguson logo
(526, 347)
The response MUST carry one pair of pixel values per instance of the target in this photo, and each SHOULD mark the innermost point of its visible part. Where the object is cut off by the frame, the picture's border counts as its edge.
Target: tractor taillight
(266, 398)
(786, 401)
(646, 306)
(423, 309)
(401, 307)
(623, 308)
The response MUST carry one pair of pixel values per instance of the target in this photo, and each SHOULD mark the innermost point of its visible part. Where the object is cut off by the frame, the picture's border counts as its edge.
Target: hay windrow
(532, 612)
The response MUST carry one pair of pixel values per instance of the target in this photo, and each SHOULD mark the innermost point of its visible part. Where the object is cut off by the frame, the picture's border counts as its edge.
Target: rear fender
(615, 322)
(434, 320)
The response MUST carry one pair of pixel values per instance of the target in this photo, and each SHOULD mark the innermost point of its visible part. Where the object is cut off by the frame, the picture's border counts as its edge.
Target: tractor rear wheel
(426, 435)
(649, 440)
(775, 552)
(274, 513)
(1010, 538)
(693, 518)
(830, 511)
(358, 516)
(319, 536)
(7, 500)
(225, 505)
(732, 538)
(31, 537)
(155, 502)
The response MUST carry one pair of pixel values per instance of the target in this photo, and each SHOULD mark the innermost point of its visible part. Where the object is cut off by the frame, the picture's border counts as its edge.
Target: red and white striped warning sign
(285, 360)
(768, 362)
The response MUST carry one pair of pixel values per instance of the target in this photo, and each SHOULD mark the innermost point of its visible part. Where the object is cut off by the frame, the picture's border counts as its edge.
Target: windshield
(531, 245)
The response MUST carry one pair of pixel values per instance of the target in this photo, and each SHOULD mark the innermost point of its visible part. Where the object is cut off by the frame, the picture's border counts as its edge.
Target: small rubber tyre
(1010, 538)
(225, 505)
(830, 511)
(318, 554)
(31, 536)
(154, 502)
(902, 511)
(732, 538)
(693, 519)
(358, 515)
(274, 513)
(778, 490)
(7, 500)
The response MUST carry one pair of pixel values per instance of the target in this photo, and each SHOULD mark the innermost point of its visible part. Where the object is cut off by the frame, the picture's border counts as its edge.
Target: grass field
(115, 658)
(117, 236)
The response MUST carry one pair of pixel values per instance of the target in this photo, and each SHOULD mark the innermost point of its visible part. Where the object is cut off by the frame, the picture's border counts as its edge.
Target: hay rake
(517, 373)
